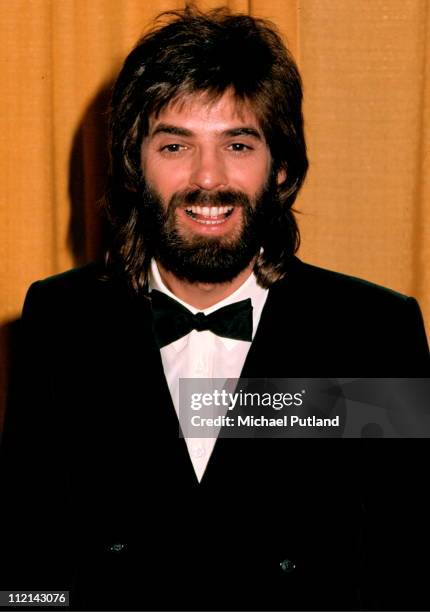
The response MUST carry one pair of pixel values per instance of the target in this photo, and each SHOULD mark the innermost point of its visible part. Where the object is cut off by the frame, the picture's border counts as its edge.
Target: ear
(281, 176)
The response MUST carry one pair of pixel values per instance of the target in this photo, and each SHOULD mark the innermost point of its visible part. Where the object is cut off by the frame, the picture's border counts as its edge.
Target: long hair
(211, 52)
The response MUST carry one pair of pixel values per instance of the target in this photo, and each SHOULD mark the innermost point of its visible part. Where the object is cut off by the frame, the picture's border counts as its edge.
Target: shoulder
(73, 279)
(335, 289)
(75, 290)
(327, 298)
(350, 316)
(339, 282)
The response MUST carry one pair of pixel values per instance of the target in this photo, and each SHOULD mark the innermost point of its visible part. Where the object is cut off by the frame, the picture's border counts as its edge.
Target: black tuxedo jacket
(101, 496)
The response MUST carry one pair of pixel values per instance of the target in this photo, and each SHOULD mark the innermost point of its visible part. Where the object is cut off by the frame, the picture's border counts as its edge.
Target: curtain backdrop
(364, 209)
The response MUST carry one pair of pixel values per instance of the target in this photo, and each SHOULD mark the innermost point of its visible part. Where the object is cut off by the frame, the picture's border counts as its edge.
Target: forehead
(201, 112)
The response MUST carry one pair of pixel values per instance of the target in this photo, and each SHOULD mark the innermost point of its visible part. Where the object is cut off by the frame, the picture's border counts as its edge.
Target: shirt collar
(249, 289)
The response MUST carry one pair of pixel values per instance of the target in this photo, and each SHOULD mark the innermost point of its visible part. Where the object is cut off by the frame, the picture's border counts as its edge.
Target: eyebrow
(165, 128)
(243, 131)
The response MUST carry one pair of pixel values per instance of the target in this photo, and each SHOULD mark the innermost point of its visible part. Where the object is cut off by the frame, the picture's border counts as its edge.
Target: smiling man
(200, 280)
(207, 167)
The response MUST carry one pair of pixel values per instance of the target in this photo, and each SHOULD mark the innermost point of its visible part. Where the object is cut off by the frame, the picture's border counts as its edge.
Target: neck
(203, 295)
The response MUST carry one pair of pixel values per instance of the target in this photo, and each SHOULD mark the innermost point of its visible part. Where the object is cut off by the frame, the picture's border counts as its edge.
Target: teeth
(206, 211)
(210, 222)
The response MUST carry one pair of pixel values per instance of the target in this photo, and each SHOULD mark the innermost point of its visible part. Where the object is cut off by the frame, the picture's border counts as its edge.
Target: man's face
(206, 167)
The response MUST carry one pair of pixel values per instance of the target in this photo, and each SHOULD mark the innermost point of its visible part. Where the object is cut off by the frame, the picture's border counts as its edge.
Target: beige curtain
(365, 206)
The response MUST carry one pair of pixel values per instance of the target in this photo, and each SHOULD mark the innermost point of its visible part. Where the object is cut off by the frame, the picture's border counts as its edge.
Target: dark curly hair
(209, 52)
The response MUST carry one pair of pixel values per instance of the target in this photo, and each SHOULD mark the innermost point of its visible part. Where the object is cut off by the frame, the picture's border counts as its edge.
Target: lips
(209, 215)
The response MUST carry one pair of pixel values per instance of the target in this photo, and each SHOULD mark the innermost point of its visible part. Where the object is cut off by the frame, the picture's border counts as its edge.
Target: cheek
(253, 176)
(165, 181)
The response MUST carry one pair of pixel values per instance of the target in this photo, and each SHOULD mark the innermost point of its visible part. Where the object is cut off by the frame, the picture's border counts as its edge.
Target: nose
(208, 171)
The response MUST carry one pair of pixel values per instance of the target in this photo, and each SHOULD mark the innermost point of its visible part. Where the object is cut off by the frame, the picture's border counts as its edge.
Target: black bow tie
(173, 321)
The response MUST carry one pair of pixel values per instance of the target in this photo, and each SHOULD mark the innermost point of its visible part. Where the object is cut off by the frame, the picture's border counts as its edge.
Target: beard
(205, 259)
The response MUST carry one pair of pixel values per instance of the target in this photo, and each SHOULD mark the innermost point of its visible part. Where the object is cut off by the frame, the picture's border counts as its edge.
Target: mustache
(207, 198)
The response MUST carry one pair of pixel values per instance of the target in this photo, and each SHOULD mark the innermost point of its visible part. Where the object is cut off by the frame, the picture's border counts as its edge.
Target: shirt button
(287, 566)
(117, 547)
(198, 452)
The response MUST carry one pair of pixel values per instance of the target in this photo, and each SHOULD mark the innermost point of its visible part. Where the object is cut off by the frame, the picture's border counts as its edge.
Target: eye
(173, 148)
(239, 147)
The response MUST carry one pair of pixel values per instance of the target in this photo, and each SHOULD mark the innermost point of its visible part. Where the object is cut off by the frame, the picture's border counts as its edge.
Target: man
(108, 502)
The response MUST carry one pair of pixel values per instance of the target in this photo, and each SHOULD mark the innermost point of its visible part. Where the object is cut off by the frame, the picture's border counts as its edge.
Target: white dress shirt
(206, 355)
